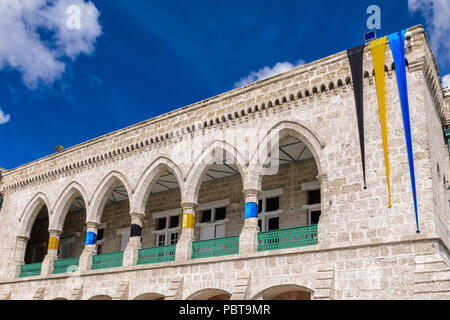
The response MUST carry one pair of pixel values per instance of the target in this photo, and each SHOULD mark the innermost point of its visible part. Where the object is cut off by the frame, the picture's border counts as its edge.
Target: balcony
(287, 238)
(267, 241)
(65, 265)
(31, 269)
(215, 247)
(156, 254)
(107, 260)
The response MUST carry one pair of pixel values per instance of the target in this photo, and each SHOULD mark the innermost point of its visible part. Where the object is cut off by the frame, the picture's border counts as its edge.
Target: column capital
(251, 191)
(55, 232)
(189, 205)
(137, 215)
(92, 224)
(251, 195)
(322, 177)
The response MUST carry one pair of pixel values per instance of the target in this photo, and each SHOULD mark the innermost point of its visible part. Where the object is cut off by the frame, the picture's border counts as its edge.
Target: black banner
(355, 56)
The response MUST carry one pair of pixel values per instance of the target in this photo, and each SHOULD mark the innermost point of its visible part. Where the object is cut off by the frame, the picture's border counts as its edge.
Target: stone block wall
(313, 103)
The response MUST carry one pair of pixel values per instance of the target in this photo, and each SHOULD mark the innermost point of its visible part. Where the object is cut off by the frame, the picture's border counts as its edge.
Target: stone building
(157, 210)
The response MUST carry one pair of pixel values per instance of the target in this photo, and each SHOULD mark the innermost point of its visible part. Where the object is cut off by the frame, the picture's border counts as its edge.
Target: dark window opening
(174, 220)
(272, 204)
(99, 249)
(274, 223)
(100, 233)
(315, 217)
(221, 213)
(174, 238)
(206, 215)
(161, 240)
(161, 223)
(259, 206)
(314, 196)
(260, 224)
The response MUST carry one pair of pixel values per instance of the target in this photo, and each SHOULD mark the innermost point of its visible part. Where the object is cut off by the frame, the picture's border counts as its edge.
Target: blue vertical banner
(397, 44)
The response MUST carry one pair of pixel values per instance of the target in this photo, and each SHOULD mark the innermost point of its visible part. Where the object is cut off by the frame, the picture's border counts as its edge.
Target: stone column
(184, 245)
(19, 256)
(248, 239)
(130, 255)
(52, 252)
(90, 248)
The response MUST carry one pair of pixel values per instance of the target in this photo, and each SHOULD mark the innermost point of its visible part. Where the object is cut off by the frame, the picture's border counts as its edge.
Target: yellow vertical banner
(377, 47)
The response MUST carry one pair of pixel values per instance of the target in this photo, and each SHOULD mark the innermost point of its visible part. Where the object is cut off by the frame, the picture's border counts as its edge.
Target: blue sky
(151, 57)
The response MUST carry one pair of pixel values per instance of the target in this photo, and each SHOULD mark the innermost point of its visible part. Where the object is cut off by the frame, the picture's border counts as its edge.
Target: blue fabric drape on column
(251, 210)
(397, 44)
(91, 238)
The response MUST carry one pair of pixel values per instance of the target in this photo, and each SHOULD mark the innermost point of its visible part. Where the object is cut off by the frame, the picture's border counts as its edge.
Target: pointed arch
(100, 195)
(30, 213)
(200, 167)
(64, 202)
(279, 131)
(148, 180)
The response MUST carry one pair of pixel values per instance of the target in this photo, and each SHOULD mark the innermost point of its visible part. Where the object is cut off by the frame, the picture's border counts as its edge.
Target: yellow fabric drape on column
(188, 221)
(53, 243)
(377, 47)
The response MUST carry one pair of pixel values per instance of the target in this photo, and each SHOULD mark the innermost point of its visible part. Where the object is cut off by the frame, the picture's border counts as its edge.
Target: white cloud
(4, 118)
(437, 18)
(267, 72)
(446, 81)
(35, 37)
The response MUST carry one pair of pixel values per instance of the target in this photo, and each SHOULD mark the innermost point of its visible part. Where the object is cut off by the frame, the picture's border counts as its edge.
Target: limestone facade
(365, 250)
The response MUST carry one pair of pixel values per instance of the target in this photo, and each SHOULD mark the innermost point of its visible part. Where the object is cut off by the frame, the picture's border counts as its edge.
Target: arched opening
(101, 297)
(161, 227)
(73, 221)
(115, 216)
(289, 206)
(211, 294)
(219, 214)
(285, 292)
(112, 211)
(150, 296)
(37, 244)
(33, 236)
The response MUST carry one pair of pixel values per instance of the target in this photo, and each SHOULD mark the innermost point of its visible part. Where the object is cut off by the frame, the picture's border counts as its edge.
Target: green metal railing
(447, 137)
(107, 260)
(31, 269)
(156, 254)
(215, 247)
(288, 238)
(65, 265)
